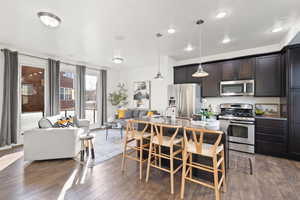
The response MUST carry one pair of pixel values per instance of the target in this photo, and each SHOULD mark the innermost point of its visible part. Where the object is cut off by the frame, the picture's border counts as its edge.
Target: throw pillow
(121, 114)
(64, 123)
(45, 123)
(150, 113)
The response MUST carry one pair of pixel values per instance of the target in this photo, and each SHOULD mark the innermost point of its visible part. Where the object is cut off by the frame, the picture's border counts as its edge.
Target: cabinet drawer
(270, 148)
(269, 138)
(271, 131)
(270, 123)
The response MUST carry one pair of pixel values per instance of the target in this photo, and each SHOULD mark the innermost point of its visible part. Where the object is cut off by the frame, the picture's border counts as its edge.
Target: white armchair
(54, 143)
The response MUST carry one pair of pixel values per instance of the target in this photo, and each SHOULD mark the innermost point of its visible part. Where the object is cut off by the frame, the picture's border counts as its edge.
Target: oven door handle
(241, 123)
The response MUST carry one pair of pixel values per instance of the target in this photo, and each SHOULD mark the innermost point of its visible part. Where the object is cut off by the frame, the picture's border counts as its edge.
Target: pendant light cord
(158, 35)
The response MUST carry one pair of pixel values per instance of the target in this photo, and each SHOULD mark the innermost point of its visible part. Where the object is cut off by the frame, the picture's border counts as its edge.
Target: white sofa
(54, 143)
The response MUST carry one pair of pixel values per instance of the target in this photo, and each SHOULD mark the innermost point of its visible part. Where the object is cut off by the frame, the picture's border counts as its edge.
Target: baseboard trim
(10, 147)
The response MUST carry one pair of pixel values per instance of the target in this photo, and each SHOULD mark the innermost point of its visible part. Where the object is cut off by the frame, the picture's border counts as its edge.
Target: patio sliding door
(67, 90)
(92, 97)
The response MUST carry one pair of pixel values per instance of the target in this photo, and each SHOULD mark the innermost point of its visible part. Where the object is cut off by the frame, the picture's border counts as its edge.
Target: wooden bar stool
(195, 145)
(158, 140)
(134, 142)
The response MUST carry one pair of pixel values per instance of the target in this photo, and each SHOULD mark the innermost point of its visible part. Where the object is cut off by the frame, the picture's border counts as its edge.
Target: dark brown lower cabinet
(271, 137)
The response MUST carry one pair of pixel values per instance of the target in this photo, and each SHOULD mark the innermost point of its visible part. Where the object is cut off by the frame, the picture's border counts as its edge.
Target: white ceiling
(89, 27)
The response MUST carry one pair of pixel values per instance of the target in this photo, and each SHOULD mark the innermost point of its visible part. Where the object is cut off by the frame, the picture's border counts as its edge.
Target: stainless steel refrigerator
(186, 98)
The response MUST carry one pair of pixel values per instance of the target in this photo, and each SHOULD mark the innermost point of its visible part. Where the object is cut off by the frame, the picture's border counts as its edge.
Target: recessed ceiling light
(171, 30)
(49, 19)
(118, 60)
(189, 47)
(221, 15)
(226, 40)
(277, 29)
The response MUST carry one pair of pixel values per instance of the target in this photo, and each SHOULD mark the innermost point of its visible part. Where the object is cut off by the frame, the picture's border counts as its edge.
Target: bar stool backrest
(159, 131)
(133, 125)
(197, 138)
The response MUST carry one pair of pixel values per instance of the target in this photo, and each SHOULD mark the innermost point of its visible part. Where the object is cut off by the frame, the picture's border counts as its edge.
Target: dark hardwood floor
(273, 179)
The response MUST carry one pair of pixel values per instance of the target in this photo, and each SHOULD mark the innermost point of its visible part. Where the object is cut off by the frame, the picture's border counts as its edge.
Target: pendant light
(200, 73)
(117, 58)
(158, 75)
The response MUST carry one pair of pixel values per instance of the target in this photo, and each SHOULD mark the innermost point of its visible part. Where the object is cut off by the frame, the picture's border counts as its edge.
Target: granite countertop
(270, 117)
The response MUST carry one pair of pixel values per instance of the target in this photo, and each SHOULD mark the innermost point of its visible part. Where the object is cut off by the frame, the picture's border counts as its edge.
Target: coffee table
(114, 125)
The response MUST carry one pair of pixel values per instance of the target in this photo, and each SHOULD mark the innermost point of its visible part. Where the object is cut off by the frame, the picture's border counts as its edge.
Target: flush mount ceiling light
(118, 60)
(221, 15)
(277, 29)
(200, 73)
(226, 40)
(189, 47)
(171, 30)
(49, 19)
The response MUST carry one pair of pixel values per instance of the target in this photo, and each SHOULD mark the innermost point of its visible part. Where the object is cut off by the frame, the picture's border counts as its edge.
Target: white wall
(113, 77)
(158, 87)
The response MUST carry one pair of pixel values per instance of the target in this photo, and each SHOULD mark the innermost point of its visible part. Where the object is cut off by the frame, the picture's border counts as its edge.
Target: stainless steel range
(241, 128)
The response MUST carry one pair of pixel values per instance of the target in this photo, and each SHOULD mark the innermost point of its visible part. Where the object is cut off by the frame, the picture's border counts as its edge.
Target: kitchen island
(182, 122)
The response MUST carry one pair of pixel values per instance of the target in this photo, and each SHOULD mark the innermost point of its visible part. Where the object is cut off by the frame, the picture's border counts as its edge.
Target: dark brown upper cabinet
(183, 74)
(268, 76)
(238, 69)
(246, 70)
(230, 70)
(294, 59)
(179, 75)
(211, 83)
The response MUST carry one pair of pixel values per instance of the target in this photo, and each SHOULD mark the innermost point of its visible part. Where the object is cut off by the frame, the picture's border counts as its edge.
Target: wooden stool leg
(172, 169)
(223, 172)
(159, 152)
(92, 149)
(216, 178)
(124, 153)
(141, 159)
(184, 157)
(155, 157)
(191, 162)
(149, 160)
(87, 148)
(82, 151)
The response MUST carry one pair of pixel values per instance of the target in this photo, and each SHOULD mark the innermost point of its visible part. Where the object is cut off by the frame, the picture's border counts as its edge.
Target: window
(91, 96)
(67, 93)
(32, 96)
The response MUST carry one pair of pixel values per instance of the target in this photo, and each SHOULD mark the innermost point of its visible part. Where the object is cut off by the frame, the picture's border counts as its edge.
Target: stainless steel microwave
(237, 88)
